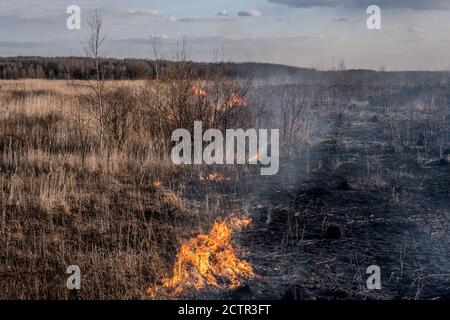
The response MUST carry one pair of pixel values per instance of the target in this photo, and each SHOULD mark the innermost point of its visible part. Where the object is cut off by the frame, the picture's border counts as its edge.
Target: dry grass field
(118, 214)
(86, 179)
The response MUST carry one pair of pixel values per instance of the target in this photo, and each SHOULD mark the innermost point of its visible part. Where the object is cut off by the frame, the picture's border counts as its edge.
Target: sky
(415, 34)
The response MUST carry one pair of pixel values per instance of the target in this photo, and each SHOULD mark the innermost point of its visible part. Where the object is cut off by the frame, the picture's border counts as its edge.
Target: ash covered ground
(329, 215)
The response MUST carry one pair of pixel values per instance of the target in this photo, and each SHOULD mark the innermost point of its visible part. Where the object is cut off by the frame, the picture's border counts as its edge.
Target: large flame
(208, 260)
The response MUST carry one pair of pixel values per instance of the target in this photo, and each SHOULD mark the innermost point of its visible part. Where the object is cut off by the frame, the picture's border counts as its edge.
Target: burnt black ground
(314, 234)
(407, 237)
(316, 229)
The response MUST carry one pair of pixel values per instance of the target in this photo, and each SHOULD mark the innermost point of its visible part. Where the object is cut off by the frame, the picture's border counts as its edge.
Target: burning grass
(208, 260)
(198, 91)
(236, 100)
(118, 215)
(213, 177)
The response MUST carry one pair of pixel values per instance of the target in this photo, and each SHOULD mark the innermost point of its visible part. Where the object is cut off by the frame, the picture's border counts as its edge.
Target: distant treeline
(121, 69)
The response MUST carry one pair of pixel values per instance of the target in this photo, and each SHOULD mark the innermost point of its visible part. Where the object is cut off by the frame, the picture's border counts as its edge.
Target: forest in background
(81, 68)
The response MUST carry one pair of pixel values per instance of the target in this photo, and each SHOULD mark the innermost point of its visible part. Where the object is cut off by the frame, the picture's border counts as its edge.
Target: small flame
(208, 259)
(236, 100)
(156, 184)
(215, 177)
(256, 157)
(198, 91)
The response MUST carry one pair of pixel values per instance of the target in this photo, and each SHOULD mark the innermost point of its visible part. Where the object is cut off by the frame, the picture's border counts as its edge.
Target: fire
(208, 260)
(198, 91)
(215, 177)
(256, 157)
(236, 101)
(156, 184)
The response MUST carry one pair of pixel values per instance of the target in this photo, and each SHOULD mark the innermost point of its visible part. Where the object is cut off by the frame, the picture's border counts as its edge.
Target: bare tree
(177, 97)
(109, 108)
(97, 87)
(340, 91)
(156, 43)
(293, 104)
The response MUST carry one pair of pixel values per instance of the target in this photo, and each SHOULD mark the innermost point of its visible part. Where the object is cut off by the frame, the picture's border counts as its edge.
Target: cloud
(388, 4)
(17, 12)
(415, 30)
(25, 44)
(132, 11)
(209, 19)
(49, 13)
(250, 13)
(341, 19)
(192, 20)
(124, 11)
(311, 3)
(412, 40)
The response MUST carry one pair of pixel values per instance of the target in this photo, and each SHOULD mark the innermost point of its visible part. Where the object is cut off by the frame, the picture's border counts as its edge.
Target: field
(86, 179)
(105, 213)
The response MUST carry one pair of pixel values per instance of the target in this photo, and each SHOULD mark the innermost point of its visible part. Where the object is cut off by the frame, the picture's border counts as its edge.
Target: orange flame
(215, 177)
(236, 101)
(208, 259)
(255, 157)
(156, 184)
(198, 91)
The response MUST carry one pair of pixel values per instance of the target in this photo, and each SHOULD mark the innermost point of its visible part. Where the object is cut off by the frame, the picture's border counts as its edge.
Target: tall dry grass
(118, 213)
